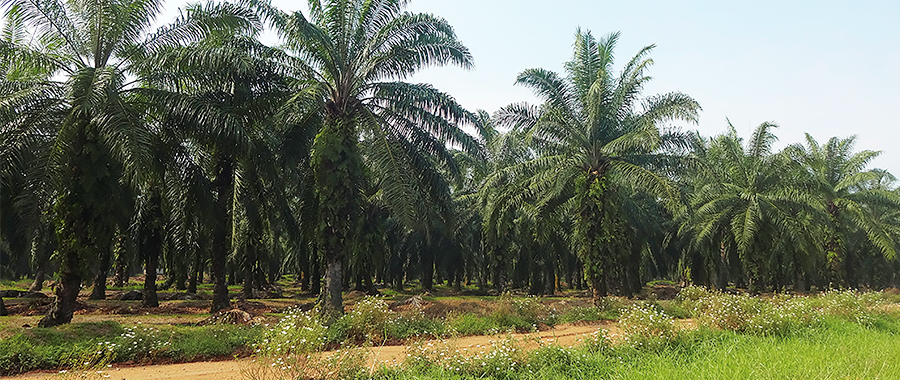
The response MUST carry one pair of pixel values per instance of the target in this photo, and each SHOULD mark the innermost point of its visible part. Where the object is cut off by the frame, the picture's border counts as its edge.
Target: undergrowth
(836, 348)
(55, 348)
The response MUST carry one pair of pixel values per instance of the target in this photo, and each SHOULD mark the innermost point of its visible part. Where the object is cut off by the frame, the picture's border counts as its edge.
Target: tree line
(196, 150)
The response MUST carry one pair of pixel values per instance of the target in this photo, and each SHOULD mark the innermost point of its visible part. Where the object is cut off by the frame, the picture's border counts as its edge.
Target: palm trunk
(196, 274)
(598, 289)
(633, 274)
(151, 246)
(99, 290)
(249, 259)
(315, 274)
(337, 167)
(551, 282)
(121, 277)
(370, 286)
(304, 273)
(594, 235)
(150, 266)
(427, 270)
(63, 307)
(333, 301)
(722, 267)
(220, 247)
(39, 276)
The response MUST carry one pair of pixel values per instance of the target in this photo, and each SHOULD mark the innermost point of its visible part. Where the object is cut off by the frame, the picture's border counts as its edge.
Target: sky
(829, 68)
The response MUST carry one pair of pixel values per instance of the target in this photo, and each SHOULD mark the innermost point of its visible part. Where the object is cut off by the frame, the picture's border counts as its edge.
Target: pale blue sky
(830, 68)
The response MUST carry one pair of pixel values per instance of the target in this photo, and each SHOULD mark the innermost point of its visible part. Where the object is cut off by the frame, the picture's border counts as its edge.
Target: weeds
(61, 348)
(501, 357)
(779, 315)
(645, 325)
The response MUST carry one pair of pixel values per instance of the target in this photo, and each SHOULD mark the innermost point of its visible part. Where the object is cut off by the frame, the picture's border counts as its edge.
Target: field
(698, 334)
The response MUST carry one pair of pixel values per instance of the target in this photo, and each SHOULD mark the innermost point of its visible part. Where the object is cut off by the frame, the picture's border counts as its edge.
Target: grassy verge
(837, 349)
(67, 346)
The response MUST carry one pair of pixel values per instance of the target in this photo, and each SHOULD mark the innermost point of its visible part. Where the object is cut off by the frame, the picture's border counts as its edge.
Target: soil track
(563, 335)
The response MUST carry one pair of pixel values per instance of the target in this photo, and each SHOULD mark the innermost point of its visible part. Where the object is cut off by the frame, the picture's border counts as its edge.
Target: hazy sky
(830, 68)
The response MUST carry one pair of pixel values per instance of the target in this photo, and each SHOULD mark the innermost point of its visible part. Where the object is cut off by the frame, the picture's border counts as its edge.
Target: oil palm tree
(92, 98)
(748, 203)
(227, 88)
(24, 189)
(841, 184)
(354, 56)
(594, 133)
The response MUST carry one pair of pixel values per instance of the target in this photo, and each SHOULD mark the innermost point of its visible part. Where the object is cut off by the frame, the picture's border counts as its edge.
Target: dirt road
(562, 335)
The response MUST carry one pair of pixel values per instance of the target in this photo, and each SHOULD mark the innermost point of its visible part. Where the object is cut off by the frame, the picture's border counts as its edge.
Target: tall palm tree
(595, 135)
(354, 55)
(99, 140)
(841, 184)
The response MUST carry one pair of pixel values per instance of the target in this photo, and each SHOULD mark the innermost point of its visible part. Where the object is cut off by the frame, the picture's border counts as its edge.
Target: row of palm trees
(196, 148)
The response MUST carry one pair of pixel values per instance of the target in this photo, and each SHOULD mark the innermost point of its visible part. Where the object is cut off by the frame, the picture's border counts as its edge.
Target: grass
(832, 335)
(53, 348)
(839, 349)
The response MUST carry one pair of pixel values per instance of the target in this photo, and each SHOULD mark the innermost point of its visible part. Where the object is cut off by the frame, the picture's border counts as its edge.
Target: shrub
(367, 322)
(139, 343)
(522, 314)
(553, 358)
(850, 305)
(690, 296)
(298, 332)
(598, 341)
(674, 309)
(502, 357)
(342, 364)
(645, 325)
(212, 341)
(781, 315)
(18, 354)
(69, 347)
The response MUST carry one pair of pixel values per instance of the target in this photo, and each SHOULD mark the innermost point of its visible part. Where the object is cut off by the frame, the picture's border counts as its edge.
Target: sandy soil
(562, 335)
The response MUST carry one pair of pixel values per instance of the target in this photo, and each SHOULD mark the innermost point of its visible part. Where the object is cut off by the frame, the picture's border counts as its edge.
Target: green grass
(53, 348)
(837, 350)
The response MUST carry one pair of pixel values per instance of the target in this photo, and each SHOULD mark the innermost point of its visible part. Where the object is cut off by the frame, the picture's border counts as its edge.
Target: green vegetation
(835, 334)
(645, 333)
(837, 349)
(53, 348)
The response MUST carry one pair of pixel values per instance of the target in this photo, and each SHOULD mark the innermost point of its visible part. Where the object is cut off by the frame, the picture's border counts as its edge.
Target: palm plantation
(194, 149)
(100, 136)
